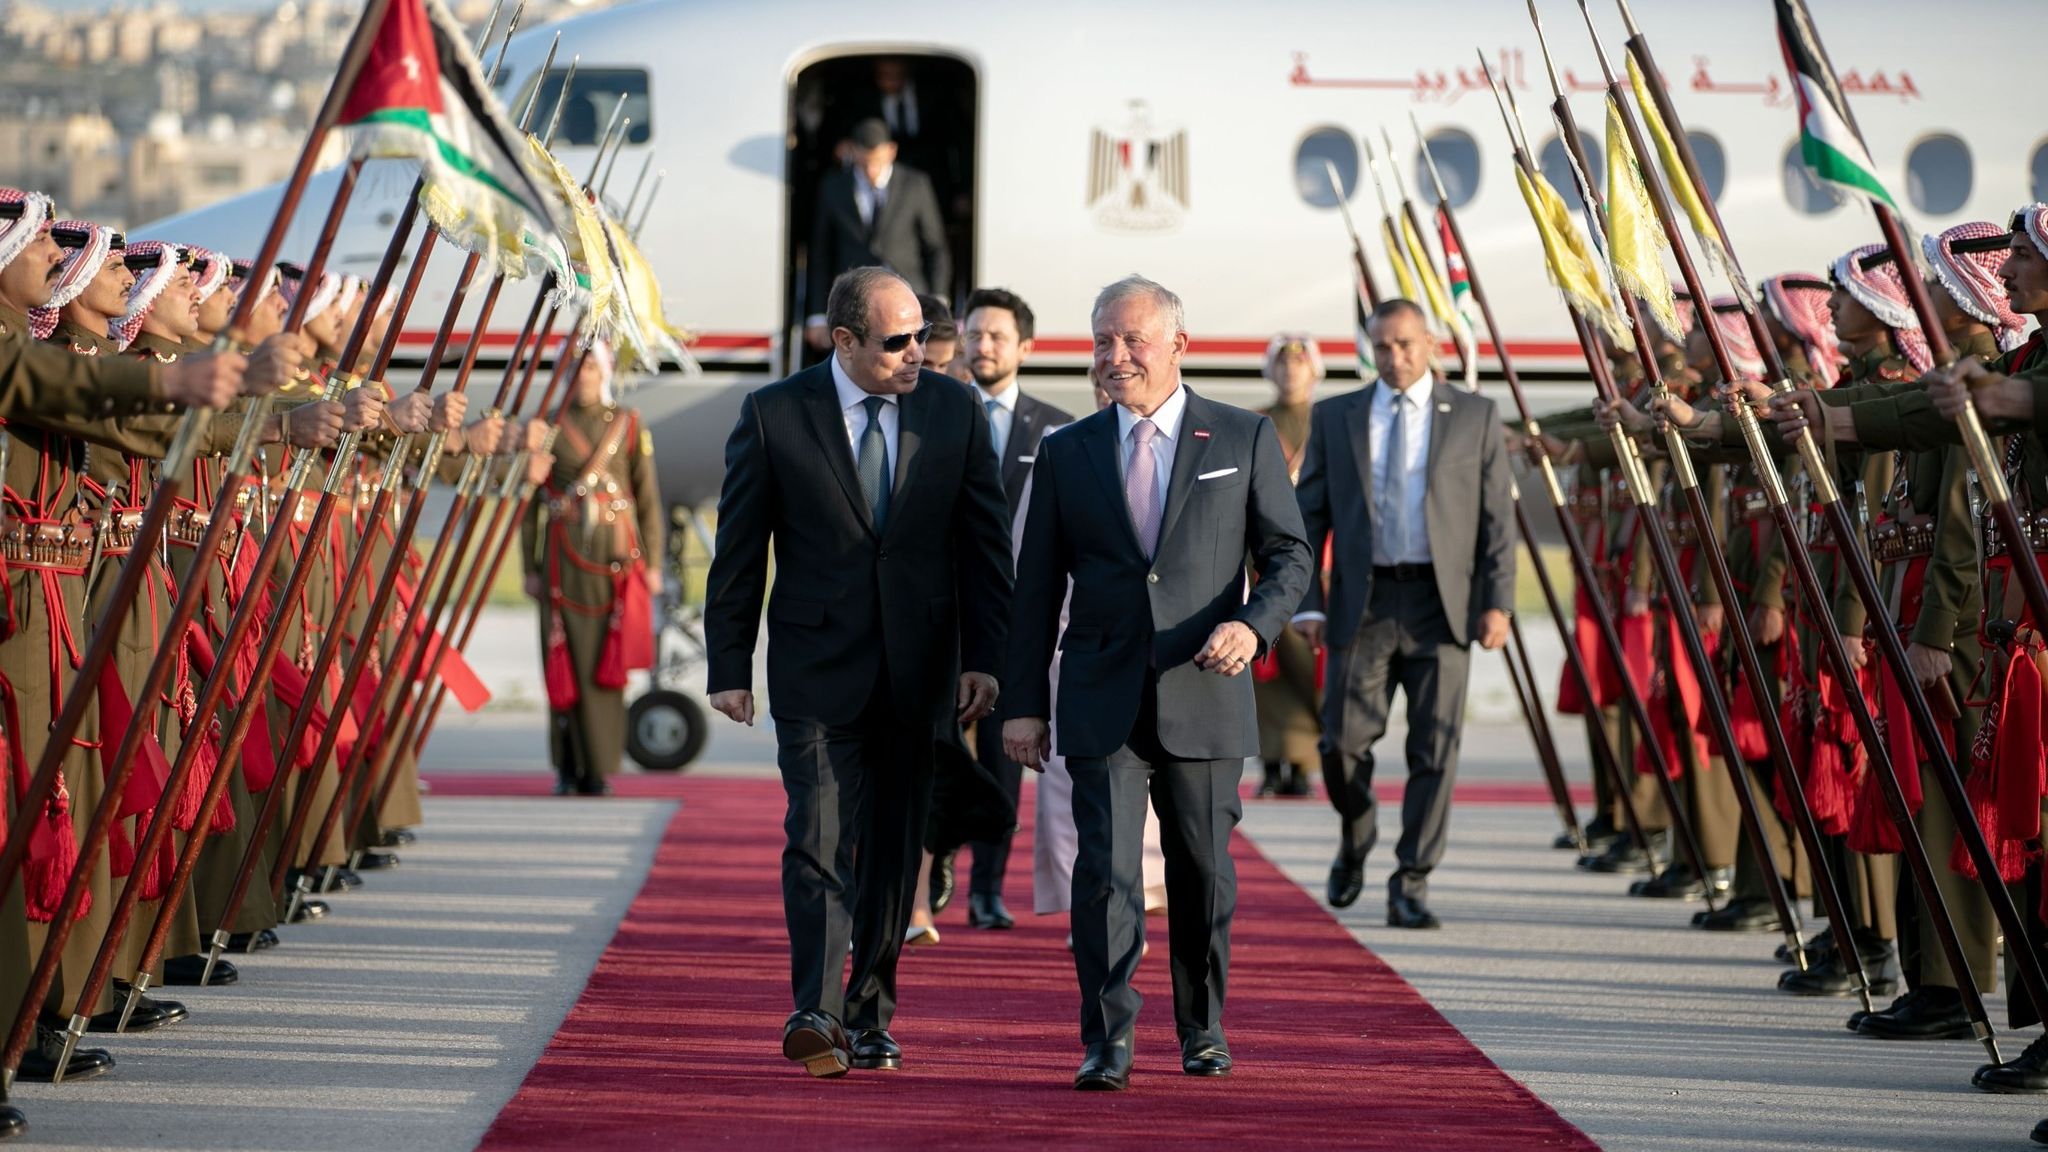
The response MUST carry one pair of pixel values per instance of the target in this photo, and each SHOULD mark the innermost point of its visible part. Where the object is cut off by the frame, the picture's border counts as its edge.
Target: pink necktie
(1141, 487)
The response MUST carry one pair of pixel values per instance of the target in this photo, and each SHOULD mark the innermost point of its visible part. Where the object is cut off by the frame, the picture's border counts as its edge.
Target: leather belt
(119, 532)
(2034, 523)
(1892, 541)
(1404, 572)
(1750, 504)
(64, 547)
(188, 528)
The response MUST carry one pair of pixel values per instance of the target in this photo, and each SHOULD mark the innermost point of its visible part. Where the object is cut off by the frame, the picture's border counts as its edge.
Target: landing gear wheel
(665, 730)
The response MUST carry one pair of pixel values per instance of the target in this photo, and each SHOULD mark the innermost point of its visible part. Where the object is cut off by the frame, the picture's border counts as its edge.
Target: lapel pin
(1201, 433)
(1443, 407)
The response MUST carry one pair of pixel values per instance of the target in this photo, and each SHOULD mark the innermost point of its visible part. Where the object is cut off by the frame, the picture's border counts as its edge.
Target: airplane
(1192, 141)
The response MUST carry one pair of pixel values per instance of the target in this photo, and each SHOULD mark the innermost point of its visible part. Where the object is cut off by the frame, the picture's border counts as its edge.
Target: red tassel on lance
(1749, 723)
(559, 673)
(1871, 830)
(146, 777)
(52, 857)
(157, 870)
(2018, 753)
(1829, 787)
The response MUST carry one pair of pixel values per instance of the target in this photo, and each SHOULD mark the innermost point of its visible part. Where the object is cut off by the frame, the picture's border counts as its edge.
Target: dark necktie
(873, 463)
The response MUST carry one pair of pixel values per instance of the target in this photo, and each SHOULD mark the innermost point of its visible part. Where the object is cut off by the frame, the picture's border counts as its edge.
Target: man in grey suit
(1408, 481)
(875, 211)
(1150, 508)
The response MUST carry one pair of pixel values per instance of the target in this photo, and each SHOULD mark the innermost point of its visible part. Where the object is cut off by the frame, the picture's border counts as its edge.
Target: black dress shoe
(1270, 786)
(1347, 880)
(371, 861)
(1205, 1058)
(2024, 1074)
(593, 788)
(253, 941)
(2040, 1133)
(396, 838)
(148, 1016)
(1739, 916)
(1106, 1069)
(1408, 912)
(1294, 784)
(13, 1122)
(1831, 977)
(310, 910)
(1925, 1013)
(942, 883)
(987, 911)
(39, 1062)
(1820, 948)
(1599, 834)
(1678, 883)
(564, 788)
(816, 1041)
(1622, 856)
(875, 1048)
(190, 972)
(344, 879)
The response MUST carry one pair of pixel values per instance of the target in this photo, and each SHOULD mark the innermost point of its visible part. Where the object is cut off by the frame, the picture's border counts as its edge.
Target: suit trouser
(859, 795)
(1198, 807)
(1404, 642)
(992, 857)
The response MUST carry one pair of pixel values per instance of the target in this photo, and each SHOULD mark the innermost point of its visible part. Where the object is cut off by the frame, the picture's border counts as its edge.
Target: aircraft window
(1457, 161)
(2040, 167)
(1315, 155)
(589, 107)
(1802, 192)
(1712, 161)
(1939, 175)
(1557, 168)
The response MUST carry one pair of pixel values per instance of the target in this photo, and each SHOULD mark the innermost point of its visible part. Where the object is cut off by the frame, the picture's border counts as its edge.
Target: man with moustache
(1150, 508)
(997, 342)
(873, 483)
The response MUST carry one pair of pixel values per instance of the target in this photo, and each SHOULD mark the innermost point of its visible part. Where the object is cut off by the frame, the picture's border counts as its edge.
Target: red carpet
(675, 1041)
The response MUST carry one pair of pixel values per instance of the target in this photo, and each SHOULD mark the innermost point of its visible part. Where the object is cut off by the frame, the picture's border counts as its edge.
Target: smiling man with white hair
(1150, 507)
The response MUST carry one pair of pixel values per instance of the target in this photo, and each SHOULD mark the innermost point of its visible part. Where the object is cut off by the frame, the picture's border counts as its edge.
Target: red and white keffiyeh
(1883, 292)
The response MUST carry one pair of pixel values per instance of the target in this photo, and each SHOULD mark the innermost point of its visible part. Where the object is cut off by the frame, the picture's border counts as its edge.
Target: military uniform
(599, 521)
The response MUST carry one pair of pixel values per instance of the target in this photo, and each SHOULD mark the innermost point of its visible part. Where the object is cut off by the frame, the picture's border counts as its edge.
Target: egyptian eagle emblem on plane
(1138, 175)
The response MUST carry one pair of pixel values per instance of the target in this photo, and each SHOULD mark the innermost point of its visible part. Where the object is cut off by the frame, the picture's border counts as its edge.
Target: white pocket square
(1216, 473)
(1027, 459)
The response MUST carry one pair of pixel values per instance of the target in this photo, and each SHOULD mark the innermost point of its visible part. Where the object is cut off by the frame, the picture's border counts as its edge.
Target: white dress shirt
(1003, 419)
(1167, 420)
(899, 112)
(864, 192)
(853, 406)
(1421, 410)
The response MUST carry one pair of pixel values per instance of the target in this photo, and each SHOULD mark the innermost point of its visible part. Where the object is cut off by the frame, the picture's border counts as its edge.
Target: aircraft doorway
(931, 105)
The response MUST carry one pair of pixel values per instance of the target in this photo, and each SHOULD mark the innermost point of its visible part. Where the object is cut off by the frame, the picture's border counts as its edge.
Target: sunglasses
(901, 340)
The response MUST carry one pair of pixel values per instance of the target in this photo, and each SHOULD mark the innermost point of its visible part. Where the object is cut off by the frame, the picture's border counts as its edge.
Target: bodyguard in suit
(997, 341)
(1150, 507)
(875, 211)
(874, 484)
(1407, 479)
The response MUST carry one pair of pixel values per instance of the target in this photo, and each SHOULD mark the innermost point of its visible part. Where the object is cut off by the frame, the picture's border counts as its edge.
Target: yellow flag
(587, 249)
(656, 337)
(1572, 268)
(1635, 243)
(1425, 271)
(1676, 179)
(1403, 277)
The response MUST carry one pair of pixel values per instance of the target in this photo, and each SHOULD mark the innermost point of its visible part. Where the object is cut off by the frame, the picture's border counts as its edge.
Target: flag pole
(157, 514)
(1710, 550)
(1651, 522)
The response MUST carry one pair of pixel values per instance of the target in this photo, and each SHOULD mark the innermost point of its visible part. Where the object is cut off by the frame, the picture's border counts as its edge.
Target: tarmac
(409, 1017)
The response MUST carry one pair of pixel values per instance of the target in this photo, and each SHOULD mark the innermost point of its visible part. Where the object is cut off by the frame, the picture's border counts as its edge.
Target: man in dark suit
(873, 481)
(1408, 480)
(996, 342)
(1149, 508)
(875, 211)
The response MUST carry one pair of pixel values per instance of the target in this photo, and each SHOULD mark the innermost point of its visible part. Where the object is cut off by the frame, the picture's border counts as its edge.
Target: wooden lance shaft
(1928, 727)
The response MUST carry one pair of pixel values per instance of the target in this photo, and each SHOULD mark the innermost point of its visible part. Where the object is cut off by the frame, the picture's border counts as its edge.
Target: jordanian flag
(421, 96)
(1828, 141)
(1454, 262)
